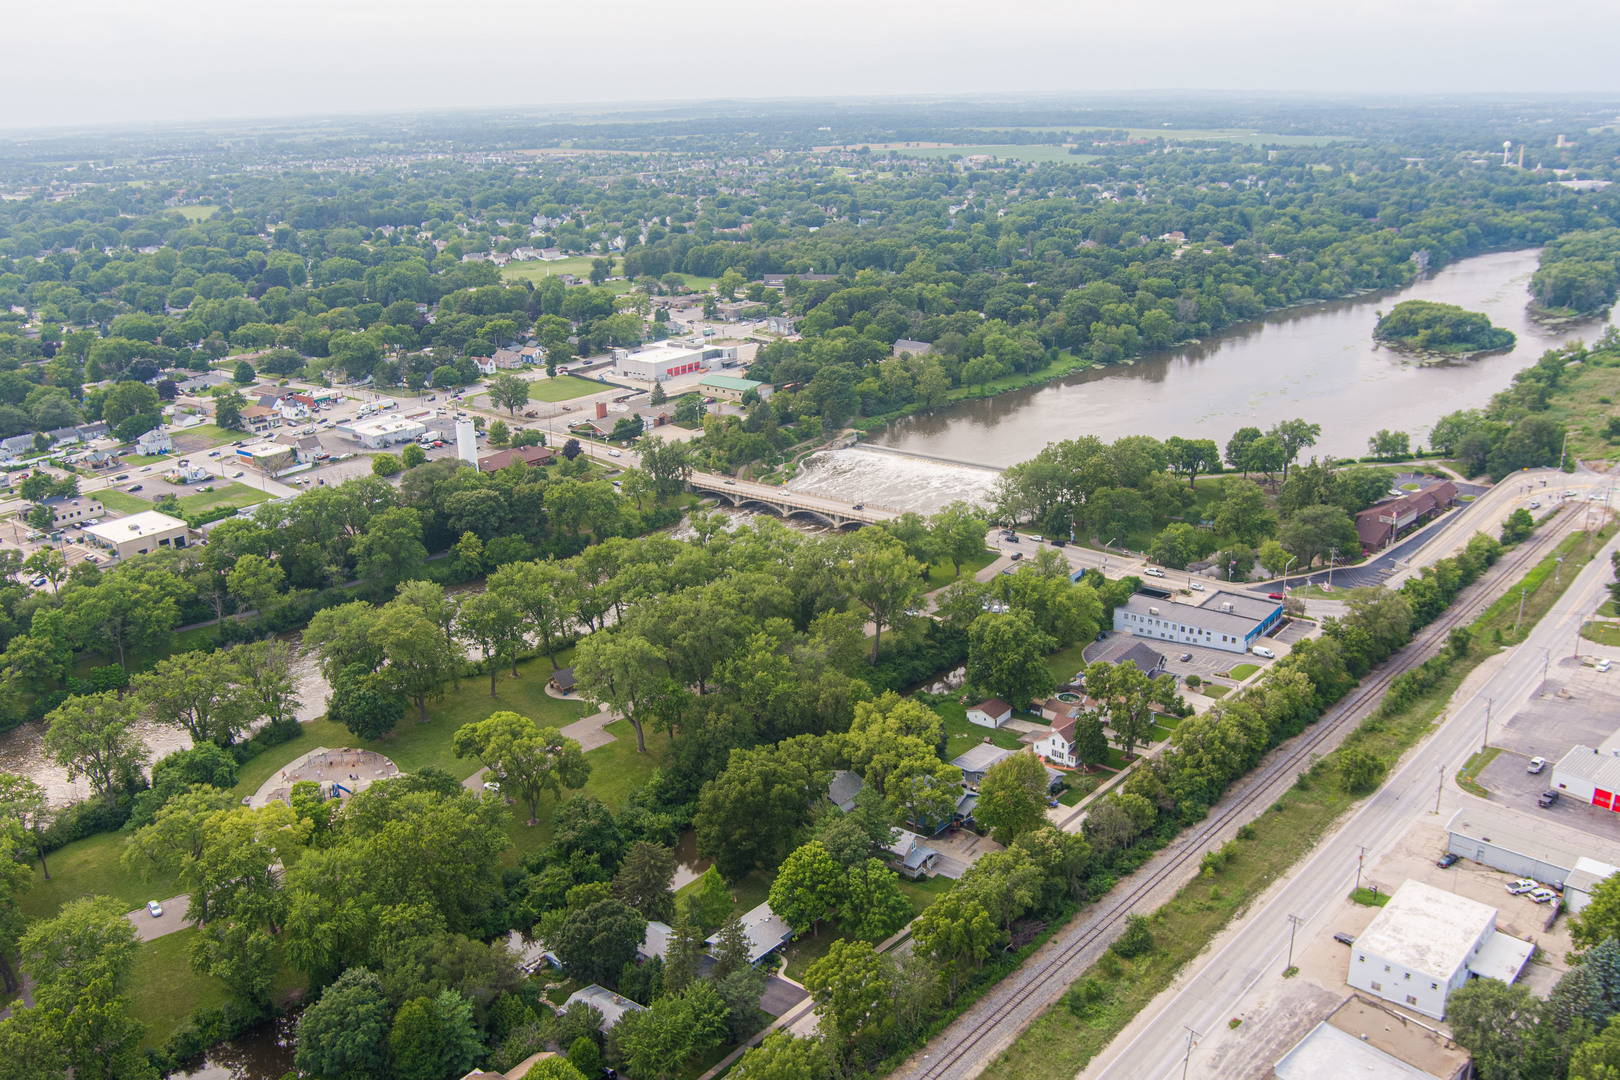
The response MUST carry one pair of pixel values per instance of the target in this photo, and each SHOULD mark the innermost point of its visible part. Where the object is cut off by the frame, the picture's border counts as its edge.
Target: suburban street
(1216, 986)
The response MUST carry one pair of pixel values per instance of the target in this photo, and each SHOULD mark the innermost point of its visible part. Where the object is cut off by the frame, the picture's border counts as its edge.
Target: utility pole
(1333, 557)
(1558, 570)
(1360, 859)
(1440, 785)
(1485, 741)
(1520, 619)
(1192, 1041)
(1294, 923)
(1546, 661)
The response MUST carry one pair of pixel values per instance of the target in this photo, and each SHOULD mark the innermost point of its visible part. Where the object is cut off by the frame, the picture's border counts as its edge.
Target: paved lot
(1295, 630)
(172, 919)
(780, 996)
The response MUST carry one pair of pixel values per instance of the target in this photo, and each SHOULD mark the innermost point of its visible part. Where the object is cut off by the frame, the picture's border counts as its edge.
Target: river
(1318, 362)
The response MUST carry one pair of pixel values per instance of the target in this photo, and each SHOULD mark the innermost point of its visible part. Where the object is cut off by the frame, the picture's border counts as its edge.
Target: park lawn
(143, 459)
(91, 867)
(564, 388)
(944, 574)
(1605, 633)
(964, 735)
(163, 989)
(232, 494)
(197, 212)
(578, 265)
(209, 435)
(122, 501)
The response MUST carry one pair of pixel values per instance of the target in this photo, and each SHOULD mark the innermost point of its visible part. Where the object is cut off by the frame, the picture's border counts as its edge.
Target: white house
(765, 931)
(156, 441)
(1427, 942)
(1058, 745)
(977, 760)
(990, 713)
(610, 1005)
(485, 364)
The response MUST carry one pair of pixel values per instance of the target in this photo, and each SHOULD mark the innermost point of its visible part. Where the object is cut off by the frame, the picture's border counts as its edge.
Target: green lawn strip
(91, 867)
(1216, 691)
(1368, 898)
(1467, 775)
(1242, 671)
(232, 494)
(209, 435)
(964, 735)
(944, 574)
(1602, 633)
(163, 990)
(564, 388)
(1607, 610)
(1080, 785)
(1059, 1044)
(122, 501)
(1067, 661)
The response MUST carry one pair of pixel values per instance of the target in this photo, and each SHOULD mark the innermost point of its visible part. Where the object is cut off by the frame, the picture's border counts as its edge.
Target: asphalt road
(1219, 981)
(995, 1020)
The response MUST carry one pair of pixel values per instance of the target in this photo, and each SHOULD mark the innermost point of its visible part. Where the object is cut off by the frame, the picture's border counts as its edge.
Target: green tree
(852, 987)
(784, 1056)
(1012, 796)
(1314, 531)
(412, 456)
(90, 736)
(228, 410)
(49, 564)
(1498, 1024)
(1127, 696)
(808, 888)
(1242, 513)
(523, 756)
(956, 931)
(643, 881)
(959, 529)
(656, 1044)
(1293, 436)
(499, 434)
(386, 465)
(1599, 920)
(196, 692)
(543, 592)
(748, 813)
(873, 905)
(255, 582)
(883, 579)
(433, 1038)
(1274, 557)
(419, 658)
(391, 547)
(596, 942)
(244, 373)
(363, 705)
(621, 670)
(508, 392)
(710, 902)
(1005, 658)
(491, 622)
(344, 1035)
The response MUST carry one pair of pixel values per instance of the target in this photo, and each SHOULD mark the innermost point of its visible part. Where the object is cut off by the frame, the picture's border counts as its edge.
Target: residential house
(485, 365)
(845, 785)
(1058, 744)
(977, 760)
(781, 324)
(73, 509)
(508, 359)
(304, 447)
(610, 1005)
(907, 347)
(1123, 649)
(529, 455)
(17, 446)
(66, 436)
(92, 432)
(765, 931)
(656, 944)
(990, 713)
(259, 419)
(779, 281)
(909, 857)
(156, 441)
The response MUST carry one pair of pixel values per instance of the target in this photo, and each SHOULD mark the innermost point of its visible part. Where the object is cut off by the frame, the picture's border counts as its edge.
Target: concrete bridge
(787, 504)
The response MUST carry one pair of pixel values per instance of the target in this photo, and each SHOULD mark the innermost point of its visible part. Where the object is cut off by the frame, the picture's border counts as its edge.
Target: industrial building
(731, 388)
(1591, 774)
(381, 432)
(668, 360)
(1224, 620)
(1371, 1041)
(1525, 846)
(1427, 942)
(139, 534)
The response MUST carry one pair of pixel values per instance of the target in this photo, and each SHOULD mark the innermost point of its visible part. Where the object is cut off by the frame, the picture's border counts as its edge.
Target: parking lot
(1205, 662)
(1547, 727)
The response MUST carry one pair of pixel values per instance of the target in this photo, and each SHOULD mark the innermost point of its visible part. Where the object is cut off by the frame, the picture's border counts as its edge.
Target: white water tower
(467, 442)
(1507, 144)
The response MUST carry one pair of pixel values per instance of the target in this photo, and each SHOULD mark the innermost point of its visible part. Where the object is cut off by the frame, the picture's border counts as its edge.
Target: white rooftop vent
(1226, 605)
(1153, 611)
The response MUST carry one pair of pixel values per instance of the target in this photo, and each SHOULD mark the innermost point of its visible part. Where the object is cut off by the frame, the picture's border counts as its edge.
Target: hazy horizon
(183, 61)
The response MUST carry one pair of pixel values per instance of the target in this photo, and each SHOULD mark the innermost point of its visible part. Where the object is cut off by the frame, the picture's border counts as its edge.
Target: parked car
(1535, 504)
(154, 909)
(1010, 570)
(1521, 885)
(39, 582)
(1195, 586)
(1547, 798)
(1016, 556)
(1541, 896)
(1536, 765)
(1184, 657)
(1447, 861)
(1274, 596)
(1344, 939)
(236, 474)
(1605, 664)
(1261, 650)
(91, 557)
(1060, 543)
(136, 487)
(490, 785)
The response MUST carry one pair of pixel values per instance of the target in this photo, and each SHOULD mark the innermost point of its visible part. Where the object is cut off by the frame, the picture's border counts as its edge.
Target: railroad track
(1052, 972)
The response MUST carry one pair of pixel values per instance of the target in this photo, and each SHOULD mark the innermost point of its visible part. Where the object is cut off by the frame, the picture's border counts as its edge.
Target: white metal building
(1524, 845)
(1229, 621)
(380, 432)
(1591, 775)
(1427, 942)
(668, 360)
(139, 534)
(1586, 876)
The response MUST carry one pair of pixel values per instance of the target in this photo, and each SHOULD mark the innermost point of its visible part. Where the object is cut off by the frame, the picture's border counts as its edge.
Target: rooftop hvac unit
(1153, 611)
(1226, 605)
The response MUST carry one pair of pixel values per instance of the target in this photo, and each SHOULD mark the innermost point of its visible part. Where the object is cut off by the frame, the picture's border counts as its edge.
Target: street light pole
(1440, 785)
(1286, 565)
(1546, 662)
(1333, 557)
(1360, 859)
(1294, 923)
(1192, 1041)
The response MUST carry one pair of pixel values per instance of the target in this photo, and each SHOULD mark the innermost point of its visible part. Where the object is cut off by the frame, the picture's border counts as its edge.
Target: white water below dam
(892, 481)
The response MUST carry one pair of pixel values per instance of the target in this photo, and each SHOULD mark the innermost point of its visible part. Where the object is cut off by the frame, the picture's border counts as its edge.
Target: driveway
(172, 919)
(781, 995)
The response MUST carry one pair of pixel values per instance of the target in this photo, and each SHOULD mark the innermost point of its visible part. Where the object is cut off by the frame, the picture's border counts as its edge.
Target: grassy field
(164, 989)
(231, 494)
(963, 735)
(122, 501)
(205, 436)
(1584, 403)
(578, 265)
(1604, 633)
(1243, 671)
(1060, 1043)
(564, 388)
(91, 867)
(1037, 153)
(197, 212)
(944, 574)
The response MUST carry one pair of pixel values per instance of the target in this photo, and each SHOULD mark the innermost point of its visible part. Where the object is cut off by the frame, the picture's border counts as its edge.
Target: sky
(113, 62)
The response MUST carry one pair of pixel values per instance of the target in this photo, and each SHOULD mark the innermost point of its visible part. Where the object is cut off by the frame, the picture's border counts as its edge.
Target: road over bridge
(787, 504)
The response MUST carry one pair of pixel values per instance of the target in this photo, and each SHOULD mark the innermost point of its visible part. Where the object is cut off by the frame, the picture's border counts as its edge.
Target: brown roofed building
(1382, 523)
(529, 455)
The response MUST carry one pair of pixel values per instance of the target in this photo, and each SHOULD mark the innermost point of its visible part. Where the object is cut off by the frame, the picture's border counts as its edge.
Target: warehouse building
(381, 432)
(139, 534)
(1426, 943)
(1591, 774)
(731, 388)
(1524, 846)
(656, 363)
(1225, 620)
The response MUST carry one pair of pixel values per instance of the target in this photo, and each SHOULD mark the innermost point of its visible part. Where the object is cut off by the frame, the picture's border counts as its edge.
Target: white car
(1542, 895)
(1536, 765)
(1261, 650)
(1605, 664)
(154, 909)
(1522, 885)
(1195, 586)
(614, 453)
(1036, 537)
(1152, 571)
(490, 785)
(1569, 493)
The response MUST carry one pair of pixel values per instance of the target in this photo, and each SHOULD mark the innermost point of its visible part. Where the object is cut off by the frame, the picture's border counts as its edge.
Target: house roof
(1374, 524)
(765, 931)
(657, 943)
(1120, 649)
(993, 707)
(563, 678)
(843, 789)
(1427, 930)
(134, 527)
(529, 455)
(605, 1001)
(979, 758)
(1328, 1054)
(907, 345)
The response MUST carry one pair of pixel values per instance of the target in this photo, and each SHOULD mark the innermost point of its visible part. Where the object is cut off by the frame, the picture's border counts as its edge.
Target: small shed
(562, 680)
(990, 713)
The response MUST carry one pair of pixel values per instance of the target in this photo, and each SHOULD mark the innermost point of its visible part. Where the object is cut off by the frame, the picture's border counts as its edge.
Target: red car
(1275, 595)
